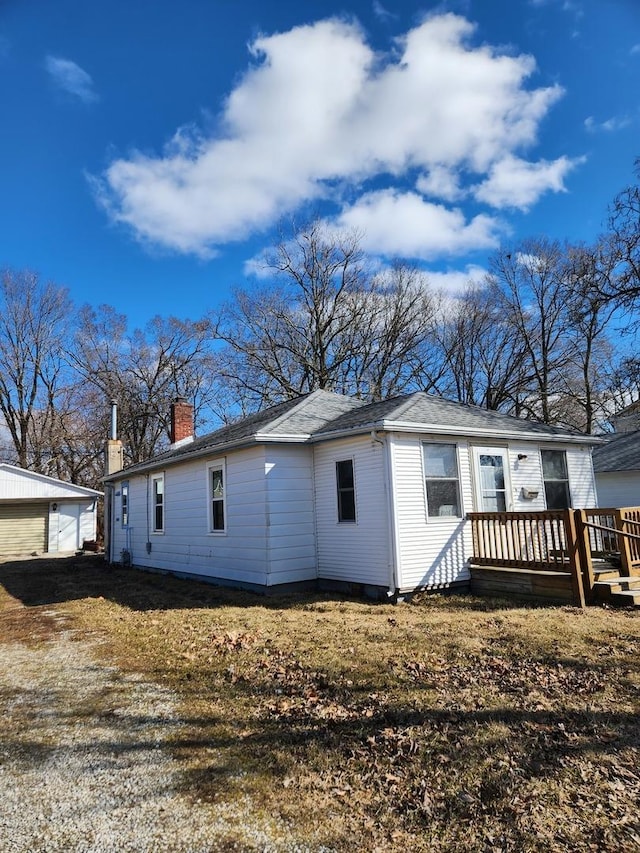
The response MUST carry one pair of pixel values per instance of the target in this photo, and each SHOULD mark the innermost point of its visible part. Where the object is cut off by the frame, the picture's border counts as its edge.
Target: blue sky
(149, 148)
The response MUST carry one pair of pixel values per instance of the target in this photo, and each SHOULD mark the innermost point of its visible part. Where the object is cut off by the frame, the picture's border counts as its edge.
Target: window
(346, 490)
(124, 504)
(216, 499)
(556, 479)
(442, 480)
(158, 503)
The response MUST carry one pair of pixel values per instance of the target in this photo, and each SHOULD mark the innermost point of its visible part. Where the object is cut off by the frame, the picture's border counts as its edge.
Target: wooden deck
(576, 556)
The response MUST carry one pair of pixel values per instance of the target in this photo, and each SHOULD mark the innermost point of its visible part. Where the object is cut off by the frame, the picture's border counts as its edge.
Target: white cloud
(404, 224)
(319, 114)
(516, 183)
(440, 183)
(454, 282)
(69, 77)
(635, 49)
(609, 126)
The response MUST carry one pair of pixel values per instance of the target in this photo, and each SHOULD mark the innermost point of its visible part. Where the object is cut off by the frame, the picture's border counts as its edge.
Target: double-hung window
(346, 490)
(124, 504)
(157, 503)
(442, 480)
(556, 479)
(217, 514)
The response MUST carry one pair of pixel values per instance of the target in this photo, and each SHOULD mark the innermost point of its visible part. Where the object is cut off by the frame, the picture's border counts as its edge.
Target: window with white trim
(124, 504)
(217, 512)
(442, 480)
(157, 503)
(346, 487)
(556, 479)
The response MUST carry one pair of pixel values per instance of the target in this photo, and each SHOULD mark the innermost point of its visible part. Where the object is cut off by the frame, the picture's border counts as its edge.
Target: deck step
(607, 573)
(624, 592)
(619, 583)
(626, 597)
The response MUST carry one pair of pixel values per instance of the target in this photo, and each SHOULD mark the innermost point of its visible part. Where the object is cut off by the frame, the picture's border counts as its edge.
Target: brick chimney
(181, 422)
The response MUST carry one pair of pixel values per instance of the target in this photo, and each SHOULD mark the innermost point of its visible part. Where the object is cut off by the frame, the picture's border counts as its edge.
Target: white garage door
(23, 528)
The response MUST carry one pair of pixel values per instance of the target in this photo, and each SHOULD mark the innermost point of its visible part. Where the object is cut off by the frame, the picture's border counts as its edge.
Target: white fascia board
(475, 432)
(211, 450)
(465, 432)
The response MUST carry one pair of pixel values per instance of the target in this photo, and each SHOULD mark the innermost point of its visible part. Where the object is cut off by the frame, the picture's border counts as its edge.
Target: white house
(41, 514)
(617, 469)
(327, 490)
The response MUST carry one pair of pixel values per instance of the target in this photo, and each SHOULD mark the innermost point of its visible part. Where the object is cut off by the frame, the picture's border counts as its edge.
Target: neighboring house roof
(322, 415)
(620, 453)
(22, 484)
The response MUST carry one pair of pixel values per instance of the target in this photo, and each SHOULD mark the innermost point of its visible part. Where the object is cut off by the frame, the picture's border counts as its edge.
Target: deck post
(584, 552)
(624, 545)
(575, 561)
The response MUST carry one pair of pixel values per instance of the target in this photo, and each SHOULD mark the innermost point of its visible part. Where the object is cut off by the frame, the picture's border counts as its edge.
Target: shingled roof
(428, 413)
(322, 415)
(293, 420)
(620, 453)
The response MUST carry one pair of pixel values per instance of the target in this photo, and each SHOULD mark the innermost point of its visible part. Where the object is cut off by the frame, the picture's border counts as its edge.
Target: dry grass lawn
(447, 723)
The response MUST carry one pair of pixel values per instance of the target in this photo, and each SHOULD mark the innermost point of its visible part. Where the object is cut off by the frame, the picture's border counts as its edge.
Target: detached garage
(41, 514)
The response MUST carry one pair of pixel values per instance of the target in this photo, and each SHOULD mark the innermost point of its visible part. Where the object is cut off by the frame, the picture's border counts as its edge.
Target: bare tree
(325, 321)
(33, 322)
(590, 317)
(529, 286)
(623, 244)
(486, 363)
(144, 371)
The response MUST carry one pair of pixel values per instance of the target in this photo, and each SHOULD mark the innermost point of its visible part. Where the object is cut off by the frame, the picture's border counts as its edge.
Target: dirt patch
(87, 761)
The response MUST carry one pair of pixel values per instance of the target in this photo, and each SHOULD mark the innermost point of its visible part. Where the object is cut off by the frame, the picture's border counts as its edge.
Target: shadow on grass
(40, 581)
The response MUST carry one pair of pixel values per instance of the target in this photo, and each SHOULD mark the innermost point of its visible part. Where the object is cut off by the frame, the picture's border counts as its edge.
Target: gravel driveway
(85, 764)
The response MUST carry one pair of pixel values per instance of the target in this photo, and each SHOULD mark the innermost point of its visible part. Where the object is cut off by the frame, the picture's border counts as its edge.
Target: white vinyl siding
(357, 552)
(23, 528)
(290, 514)
(187, 546)
(432, 552)
(581, 477)
(618, 488)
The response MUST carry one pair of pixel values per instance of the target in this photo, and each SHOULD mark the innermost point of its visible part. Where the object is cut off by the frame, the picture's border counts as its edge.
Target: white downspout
(391, 515)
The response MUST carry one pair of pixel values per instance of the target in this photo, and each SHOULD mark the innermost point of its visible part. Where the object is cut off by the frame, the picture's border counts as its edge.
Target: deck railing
(537, 541)
(614, 534)
(574, 541)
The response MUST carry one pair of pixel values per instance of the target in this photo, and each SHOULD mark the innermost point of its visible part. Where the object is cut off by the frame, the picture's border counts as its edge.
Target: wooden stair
(614, 589)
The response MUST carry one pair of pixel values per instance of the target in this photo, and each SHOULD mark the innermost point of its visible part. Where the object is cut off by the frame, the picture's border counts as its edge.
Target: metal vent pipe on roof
(114, 420)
